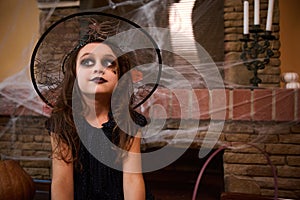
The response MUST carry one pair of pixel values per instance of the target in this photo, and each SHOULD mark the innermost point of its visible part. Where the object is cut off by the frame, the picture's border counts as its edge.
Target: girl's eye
(108, 63)
(87, 62)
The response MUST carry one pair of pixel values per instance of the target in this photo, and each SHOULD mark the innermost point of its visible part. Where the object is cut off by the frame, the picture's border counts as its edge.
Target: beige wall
(290, 35)
(18, 34)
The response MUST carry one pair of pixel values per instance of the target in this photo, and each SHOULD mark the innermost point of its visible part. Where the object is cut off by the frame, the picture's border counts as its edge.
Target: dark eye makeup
(107, 62)
(87, 62)
(110, 63)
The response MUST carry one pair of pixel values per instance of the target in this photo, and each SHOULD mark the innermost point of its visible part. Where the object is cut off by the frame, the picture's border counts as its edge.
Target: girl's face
(97, 69)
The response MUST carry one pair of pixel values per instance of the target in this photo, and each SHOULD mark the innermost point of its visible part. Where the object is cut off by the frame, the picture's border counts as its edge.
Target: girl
(82, 120)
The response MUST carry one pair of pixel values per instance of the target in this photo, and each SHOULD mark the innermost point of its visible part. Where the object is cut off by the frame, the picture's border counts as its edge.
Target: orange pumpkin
(15, 183)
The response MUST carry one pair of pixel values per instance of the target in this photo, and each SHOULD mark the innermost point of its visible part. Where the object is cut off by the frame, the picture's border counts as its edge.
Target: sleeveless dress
(95, 180)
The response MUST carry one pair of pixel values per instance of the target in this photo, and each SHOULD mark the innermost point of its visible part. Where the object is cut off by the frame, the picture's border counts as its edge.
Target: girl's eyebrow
(88, 53)
(110, 55)
(105, 55)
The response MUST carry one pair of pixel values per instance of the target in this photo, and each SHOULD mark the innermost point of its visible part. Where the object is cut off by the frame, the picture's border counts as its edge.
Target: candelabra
(256, 52)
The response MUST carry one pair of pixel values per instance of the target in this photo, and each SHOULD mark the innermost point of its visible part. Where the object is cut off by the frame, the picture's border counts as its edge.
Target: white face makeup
(97, 69)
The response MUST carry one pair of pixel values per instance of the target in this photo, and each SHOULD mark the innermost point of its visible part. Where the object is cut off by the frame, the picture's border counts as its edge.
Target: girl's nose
(99, 69)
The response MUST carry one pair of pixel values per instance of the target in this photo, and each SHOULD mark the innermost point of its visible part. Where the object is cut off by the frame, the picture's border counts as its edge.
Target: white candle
(246, 17)
(289, 77)
(292, 85)
(256, 12)
(270, 15)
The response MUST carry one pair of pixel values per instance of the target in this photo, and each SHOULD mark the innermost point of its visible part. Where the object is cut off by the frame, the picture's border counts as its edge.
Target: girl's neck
(97, 112)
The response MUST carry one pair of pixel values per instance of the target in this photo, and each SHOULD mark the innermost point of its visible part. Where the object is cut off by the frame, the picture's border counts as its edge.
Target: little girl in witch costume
(92, 156)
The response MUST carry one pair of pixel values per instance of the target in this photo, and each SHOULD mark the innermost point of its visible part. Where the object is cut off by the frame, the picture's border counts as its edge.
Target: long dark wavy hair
(61, 122)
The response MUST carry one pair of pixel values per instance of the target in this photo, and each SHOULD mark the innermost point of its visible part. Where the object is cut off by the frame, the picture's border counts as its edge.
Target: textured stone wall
(24, 138)
(56, 9)
(247, 169)
(236, 72)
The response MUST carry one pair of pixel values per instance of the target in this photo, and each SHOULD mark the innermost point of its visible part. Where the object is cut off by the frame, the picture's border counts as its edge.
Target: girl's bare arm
(133, 181)
(62, 187)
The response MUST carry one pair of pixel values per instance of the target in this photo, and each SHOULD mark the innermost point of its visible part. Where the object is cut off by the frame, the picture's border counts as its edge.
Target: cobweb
(178, 19)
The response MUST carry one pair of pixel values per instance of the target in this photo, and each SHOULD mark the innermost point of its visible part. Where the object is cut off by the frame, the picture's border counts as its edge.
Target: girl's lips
(98, 80)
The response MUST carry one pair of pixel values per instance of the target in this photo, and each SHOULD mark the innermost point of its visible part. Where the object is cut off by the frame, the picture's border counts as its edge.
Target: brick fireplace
(267, 117)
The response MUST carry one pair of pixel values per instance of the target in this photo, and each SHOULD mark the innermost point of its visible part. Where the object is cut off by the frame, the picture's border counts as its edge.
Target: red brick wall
(277, 105)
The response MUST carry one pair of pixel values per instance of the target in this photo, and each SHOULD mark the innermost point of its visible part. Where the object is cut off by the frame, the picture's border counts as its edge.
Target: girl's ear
(136, 75)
